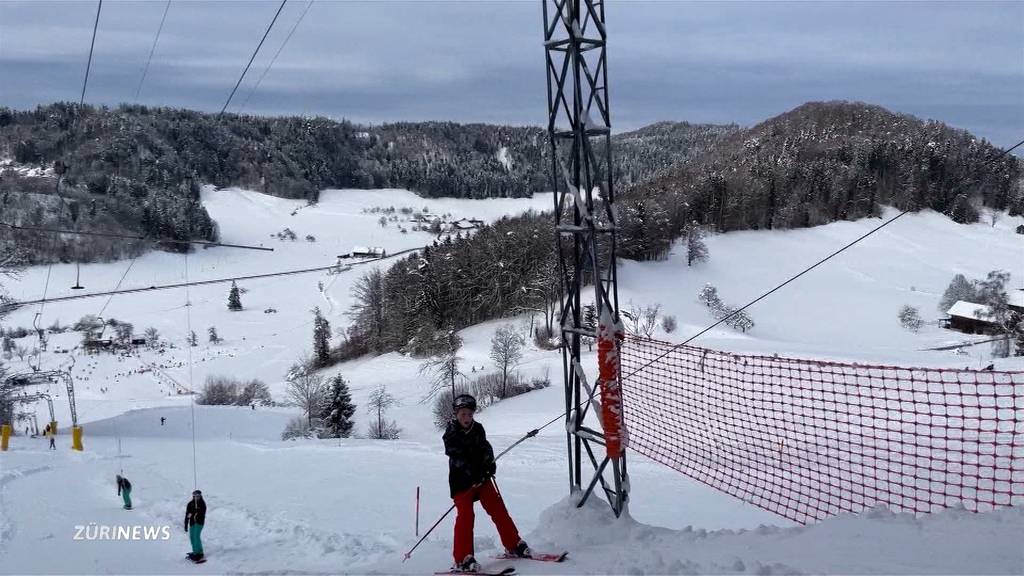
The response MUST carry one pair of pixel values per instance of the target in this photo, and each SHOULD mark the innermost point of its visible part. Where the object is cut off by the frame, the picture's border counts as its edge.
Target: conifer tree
(234, 298)
(338, 409)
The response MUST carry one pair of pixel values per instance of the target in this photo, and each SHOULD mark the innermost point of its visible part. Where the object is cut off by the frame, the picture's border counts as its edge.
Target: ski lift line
(254, 53)
(191, 383)
(276, 54)
(88, 66)
(37, 320)
(765, 295)
(804, 271)
(116, 287)
(134, 237)
(149, 60)
(14, 305)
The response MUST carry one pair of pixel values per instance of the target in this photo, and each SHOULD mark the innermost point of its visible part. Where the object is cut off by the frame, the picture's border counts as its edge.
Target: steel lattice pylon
(579, 129)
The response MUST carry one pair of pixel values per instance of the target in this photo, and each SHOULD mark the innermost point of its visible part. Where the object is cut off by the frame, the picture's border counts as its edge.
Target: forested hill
(294, 157)
(818, 163)
(137, 169)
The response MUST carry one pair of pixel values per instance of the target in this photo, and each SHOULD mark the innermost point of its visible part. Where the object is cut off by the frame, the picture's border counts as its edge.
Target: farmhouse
(467, 224)
(1016, 300)
(970, 318)
(365, 252)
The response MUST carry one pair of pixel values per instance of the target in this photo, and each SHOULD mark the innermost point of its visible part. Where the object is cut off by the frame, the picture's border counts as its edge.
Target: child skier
(195, 517)
(124, 490)
(471, 468)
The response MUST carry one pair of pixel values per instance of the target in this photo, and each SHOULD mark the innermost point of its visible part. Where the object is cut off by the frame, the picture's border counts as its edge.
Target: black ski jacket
(470, 456)
(195, 514)
(123, 484)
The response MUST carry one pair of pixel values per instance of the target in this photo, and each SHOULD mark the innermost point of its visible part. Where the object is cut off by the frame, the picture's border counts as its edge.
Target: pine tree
(321, 338)
(214, 338)
(338, 409)
(192, 340)
(963, 212)
(234, 298)
(959, 289)
(696, 250)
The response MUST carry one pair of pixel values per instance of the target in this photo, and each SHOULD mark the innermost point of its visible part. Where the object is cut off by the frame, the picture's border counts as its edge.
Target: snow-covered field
(329, 506)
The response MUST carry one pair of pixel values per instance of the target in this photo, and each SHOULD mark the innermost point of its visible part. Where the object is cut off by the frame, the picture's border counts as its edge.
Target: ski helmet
(464, 401)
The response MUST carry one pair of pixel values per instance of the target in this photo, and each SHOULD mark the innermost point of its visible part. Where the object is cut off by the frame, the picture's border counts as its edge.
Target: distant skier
(51, 433)
(471, 469)
(162, 420)
(195, 517)
(124, 490)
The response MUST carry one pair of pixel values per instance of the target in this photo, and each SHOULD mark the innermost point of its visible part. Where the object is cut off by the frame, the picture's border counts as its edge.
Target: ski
(538, 556)
(502, 572)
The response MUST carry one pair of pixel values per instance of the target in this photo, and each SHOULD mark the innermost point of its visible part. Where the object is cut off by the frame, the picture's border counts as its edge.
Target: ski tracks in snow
(245, 539)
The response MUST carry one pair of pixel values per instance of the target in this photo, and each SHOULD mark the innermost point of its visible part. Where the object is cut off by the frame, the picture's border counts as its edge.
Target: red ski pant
(464, 516)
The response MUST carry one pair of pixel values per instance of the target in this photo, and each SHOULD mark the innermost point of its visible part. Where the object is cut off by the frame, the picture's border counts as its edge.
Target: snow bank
(877, 542)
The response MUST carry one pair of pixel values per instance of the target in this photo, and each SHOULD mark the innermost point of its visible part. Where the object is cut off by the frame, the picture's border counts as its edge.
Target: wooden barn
(970, 318)
(365, 252)
(1016, 300)
(98, 344)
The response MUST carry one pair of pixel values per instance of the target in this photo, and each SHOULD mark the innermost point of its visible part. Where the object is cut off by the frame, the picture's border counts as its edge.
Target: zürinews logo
(93, 531)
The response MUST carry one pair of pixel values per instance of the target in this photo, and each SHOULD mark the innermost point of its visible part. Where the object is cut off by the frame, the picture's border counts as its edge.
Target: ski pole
(420, 541)
(528, 435)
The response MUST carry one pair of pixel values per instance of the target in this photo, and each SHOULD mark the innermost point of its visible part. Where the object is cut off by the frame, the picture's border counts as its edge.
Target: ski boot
(522, 550)
(469, 564)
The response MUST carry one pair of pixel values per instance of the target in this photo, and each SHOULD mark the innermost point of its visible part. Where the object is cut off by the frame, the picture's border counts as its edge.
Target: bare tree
(444, 366)
(306, 391)
(20, 352)
(910, 318)
(152, 336)
(641, 320)
(379, 403)
(506, 351)
(541, 292)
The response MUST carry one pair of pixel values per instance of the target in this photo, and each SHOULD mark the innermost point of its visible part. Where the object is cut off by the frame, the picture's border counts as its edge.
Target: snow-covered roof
(367, 250)
(1016, 298)
(965, 309)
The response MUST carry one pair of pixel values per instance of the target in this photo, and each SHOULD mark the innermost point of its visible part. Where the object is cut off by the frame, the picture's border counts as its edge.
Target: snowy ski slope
(329, 506)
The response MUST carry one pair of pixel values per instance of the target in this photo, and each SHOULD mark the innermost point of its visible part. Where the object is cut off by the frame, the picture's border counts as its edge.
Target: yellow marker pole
(76, 438)
(5, 435)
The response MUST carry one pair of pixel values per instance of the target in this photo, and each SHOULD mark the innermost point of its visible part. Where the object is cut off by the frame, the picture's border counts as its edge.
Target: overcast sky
(476, 60)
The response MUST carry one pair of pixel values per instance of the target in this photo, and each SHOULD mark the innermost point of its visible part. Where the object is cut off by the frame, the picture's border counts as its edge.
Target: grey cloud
(483, 61)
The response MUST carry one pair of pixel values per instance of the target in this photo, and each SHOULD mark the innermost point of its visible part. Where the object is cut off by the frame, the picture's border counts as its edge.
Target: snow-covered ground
(348, 506)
